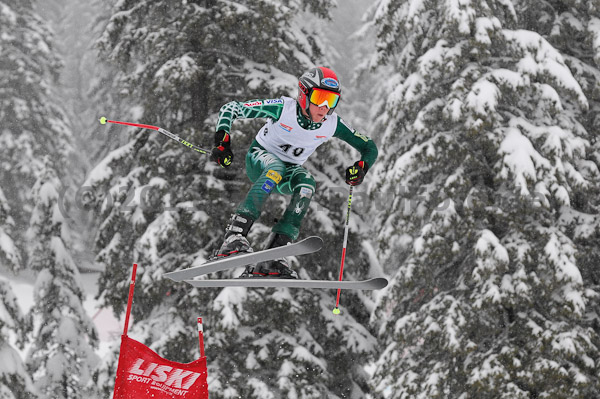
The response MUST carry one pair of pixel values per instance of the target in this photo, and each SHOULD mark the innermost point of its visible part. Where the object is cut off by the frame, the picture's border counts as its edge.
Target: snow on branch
(539, 58)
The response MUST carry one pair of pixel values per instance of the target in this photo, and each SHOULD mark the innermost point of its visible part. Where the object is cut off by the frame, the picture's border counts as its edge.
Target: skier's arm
(364, 145)
(248, 109)
(233, 110)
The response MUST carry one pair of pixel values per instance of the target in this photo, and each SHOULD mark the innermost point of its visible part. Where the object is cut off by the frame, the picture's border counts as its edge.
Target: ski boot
(235, 242)
(277, 268)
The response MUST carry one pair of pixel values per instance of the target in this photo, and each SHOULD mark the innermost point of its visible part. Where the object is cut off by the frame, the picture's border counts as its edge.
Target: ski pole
(130, 299)
(201, 336)
(104, 121)
(337, 301)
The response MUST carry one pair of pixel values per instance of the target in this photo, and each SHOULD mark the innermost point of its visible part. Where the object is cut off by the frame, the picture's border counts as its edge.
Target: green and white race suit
(282, 145)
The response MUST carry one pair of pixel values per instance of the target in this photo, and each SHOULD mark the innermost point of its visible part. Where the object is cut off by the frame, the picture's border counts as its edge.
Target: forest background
(482, 209)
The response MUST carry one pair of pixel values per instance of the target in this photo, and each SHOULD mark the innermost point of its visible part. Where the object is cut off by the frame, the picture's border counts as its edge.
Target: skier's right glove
(222, 153)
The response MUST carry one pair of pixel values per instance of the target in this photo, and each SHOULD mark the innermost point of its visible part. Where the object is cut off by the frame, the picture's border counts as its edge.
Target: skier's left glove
(222, 153)
(355, 174)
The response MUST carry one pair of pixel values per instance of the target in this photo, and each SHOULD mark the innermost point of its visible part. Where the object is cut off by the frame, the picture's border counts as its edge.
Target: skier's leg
(265, 170)
(301, 185)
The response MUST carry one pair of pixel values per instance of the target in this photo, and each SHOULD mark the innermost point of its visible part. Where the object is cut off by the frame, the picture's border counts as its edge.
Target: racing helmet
(319, 86)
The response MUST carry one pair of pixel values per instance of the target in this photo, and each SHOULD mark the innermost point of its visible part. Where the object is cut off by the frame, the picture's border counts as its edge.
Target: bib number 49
(296, 151)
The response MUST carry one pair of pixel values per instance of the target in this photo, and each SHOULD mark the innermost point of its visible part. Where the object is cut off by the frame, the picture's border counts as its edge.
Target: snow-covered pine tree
(61, 358)
(166, 207)
(15, 382)
(573, 29)
(10, 256)
(32, 123)
(74, 24)
(489, 148)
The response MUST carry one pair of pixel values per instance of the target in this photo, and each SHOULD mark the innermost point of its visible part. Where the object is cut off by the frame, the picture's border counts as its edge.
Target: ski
(261, 282)
(306, 246)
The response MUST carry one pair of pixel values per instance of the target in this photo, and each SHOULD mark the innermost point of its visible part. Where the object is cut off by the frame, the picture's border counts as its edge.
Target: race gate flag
(142, 373)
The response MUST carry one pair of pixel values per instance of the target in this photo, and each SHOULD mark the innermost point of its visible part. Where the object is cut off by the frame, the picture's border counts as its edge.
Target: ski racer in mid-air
(294, 130)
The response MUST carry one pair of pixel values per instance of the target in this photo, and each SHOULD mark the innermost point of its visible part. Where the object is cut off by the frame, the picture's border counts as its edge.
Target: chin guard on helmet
(319, 84)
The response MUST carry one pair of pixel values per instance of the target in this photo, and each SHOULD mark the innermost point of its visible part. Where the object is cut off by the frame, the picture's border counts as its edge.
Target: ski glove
(222, 153)
(355, 174)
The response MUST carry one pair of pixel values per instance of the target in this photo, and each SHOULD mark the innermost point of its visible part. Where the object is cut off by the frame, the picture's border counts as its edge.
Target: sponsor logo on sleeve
(330, 82)
(320, 137)
(361, 136)
(274, 101)
(253, 103)
(276, 177)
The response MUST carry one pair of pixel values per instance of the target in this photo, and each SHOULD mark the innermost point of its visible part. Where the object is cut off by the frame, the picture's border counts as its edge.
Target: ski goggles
(322, 97)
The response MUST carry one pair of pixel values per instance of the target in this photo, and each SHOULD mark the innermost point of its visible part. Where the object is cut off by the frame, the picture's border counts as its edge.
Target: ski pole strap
(104, 121)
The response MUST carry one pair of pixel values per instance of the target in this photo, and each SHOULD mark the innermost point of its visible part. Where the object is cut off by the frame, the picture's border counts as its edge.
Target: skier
(294, 130)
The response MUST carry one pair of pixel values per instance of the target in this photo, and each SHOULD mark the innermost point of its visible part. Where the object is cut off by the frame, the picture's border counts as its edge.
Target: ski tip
(314, 242)
(103, 120)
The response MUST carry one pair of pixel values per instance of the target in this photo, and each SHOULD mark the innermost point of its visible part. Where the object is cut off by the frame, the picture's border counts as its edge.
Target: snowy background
(482, 210)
